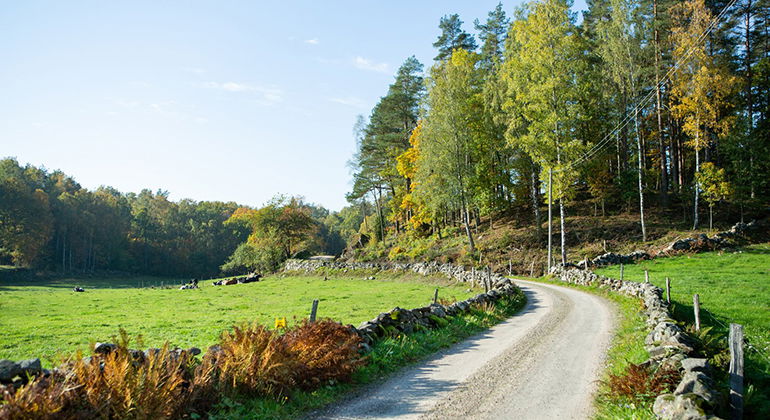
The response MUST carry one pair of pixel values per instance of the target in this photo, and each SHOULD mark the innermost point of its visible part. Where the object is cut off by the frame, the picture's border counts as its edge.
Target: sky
(208, 100)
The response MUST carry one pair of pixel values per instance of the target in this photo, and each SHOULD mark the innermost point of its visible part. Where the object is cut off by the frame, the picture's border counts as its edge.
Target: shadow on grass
(11, 280)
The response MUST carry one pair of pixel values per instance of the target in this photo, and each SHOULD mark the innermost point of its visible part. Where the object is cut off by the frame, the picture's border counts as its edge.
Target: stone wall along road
(542, 363)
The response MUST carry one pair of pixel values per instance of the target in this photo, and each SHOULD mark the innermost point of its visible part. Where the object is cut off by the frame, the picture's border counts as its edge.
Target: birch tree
(541, 69)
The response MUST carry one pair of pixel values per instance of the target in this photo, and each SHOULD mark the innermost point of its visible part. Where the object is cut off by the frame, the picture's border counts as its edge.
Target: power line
(606, 140)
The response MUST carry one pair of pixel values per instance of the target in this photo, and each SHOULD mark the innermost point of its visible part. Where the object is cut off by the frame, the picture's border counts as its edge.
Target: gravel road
(542, 363)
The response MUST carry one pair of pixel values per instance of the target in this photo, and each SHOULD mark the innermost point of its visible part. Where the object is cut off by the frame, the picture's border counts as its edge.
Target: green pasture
(45, 318)
(733, 287)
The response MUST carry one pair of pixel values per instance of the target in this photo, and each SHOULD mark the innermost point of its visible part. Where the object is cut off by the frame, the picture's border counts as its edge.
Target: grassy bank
(387, 356)
(733, 287)
(45, 318)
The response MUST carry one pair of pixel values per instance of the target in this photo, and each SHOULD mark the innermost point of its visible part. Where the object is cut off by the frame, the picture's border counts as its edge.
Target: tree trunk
(623, 144)
(536, 202)
(64, 255)
(749, 93)
(467, 218)
(697, 186)
(550, 218)
(658, 111)
(639, 173)
(563, 232)
(378, 207)
(674, 158)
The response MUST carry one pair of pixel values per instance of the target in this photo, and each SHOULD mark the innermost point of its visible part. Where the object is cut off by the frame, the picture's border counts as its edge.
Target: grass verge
(387, 356)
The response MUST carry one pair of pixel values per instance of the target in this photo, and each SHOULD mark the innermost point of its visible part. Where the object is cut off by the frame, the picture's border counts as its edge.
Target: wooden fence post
(314, 310)
(668, 290)
(646, 276)
(621, 271)
(510, 267)
(485, 279)
(696, 308)
(435, 296)
(585, 263)
(532, 269)
(736, 371)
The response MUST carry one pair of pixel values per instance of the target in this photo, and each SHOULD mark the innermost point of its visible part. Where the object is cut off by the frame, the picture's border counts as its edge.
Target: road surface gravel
(542, 363)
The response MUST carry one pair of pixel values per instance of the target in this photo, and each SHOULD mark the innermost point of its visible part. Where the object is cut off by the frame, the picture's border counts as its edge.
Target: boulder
(699, 384)
(30, 367)
(9, 370)
(680, 407)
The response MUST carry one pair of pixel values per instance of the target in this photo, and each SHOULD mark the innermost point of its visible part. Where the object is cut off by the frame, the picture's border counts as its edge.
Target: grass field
(732, 287)
(46, 319)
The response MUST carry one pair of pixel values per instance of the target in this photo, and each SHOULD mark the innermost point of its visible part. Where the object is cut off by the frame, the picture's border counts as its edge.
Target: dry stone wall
(454, 272)
(695, 396)
(400, 320)
(739, 234)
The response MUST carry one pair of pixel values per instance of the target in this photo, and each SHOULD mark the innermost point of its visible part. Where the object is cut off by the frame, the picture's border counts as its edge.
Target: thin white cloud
(370, 65)
(168, 108)
(269, 94)
(313, 41)
(194, 70)
(351, 101)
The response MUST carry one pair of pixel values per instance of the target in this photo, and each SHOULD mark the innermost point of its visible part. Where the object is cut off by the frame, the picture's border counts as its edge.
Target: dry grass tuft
(327, 351)
(641, 383)
(44, 398)
(254, 360)
(163, 383)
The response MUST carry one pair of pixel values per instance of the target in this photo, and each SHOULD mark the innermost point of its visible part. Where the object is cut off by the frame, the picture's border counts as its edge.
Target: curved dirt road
(542, 363)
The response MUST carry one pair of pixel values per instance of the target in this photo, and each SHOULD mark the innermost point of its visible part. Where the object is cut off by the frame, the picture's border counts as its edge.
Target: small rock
(30, 367)
(694, 364)
(686, 406)
(104, 348)
(194, 351)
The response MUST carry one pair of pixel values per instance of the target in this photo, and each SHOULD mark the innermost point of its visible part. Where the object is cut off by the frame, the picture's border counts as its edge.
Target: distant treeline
(48, 221)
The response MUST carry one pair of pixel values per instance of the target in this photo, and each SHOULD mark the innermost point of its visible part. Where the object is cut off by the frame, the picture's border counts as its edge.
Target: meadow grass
(45, 318)
(733, 287)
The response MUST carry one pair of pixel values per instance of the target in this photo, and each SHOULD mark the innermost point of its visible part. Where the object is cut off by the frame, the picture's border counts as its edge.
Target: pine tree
(452, 37)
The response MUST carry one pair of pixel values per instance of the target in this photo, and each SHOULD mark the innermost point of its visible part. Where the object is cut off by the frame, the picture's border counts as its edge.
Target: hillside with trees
(653, 111)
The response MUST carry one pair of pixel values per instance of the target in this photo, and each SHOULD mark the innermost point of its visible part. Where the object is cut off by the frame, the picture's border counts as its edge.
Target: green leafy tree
(451, 126)
(715, 186)
(700, 86)
(543, 62)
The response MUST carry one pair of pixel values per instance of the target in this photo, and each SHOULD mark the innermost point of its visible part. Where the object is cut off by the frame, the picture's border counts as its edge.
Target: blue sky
(219, 100)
